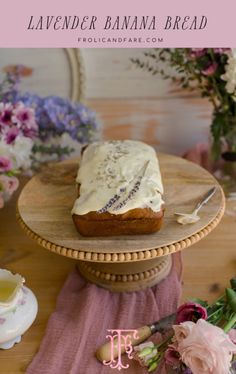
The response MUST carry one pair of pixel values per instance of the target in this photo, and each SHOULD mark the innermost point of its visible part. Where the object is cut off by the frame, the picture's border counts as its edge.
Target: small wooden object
(122, 263)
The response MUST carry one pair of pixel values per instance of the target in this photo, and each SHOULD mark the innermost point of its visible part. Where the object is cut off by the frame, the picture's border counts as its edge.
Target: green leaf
(200, 301)
(233, 283)
(231, 298)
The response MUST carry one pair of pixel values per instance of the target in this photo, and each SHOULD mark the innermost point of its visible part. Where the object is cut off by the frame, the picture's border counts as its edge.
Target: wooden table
(208, 266)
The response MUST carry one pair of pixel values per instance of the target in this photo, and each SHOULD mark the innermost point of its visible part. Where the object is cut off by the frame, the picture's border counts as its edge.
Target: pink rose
(190, 312)
(5, 164)
(182, 331)
(205, 349)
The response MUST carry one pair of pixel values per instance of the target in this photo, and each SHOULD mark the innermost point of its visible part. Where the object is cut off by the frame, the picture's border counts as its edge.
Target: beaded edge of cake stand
(123, 257)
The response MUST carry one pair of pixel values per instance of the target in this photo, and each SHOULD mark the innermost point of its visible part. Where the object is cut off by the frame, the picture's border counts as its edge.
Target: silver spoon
(188, 218)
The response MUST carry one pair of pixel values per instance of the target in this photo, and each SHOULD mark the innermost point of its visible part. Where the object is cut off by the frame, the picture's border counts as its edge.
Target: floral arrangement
(35, 130)
(212, 71)
(202, 341)
(18, 129)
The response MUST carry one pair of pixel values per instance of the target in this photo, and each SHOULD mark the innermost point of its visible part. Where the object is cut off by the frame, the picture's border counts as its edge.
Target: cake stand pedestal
(122, 263)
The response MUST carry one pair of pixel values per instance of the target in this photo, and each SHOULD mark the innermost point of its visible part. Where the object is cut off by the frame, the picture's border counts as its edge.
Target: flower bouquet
(212, 71)
(35, 130)
(18, 130)
(202, 341)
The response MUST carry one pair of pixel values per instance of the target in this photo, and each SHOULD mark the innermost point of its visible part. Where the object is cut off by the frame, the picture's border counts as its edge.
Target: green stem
(230, 324)
(164, 342)
(215, 312)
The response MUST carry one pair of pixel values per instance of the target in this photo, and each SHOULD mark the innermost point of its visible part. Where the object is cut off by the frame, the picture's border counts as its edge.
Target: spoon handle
(206, 198)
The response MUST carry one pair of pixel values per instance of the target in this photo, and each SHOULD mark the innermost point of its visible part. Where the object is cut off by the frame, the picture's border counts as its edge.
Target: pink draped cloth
(83, 314)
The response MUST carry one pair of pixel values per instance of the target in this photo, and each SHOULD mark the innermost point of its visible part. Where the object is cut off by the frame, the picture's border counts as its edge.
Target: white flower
(230, 73)
(22, 150)
(19, 152)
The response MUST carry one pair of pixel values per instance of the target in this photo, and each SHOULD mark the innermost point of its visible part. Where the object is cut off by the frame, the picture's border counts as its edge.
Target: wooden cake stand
(122, 263)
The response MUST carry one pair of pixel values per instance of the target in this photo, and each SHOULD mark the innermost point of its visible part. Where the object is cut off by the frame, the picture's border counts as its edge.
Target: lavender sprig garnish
(111, 202)
(135, 188)
(122, 190)
(131, 193)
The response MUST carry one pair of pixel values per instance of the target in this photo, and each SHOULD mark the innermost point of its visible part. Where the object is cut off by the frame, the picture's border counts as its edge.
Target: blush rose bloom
(204, 348)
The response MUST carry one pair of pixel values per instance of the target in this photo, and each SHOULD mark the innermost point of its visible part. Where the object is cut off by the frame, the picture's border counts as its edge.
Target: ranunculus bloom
(5, 164)
(210, 69)
(144, 352)
(190, 312)
(205, 349)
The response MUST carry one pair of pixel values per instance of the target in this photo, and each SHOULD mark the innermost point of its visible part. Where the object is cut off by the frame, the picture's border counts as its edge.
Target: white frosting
(108, 167)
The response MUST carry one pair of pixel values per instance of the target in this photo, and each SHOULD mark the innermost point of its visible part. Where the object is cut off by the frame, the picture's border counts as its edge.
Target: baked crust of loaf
(133, 222)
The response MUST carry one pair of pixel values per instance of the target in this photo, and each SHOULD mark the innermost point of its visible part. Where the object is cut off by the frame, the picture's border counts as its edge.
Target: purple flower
(210, 69)
(187, 371)
(5, 164)
(190, 312)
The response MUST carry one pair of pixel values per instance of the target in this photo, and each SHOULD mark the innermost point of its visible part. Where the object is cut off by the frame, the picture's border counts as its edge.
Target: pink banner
(121, 23)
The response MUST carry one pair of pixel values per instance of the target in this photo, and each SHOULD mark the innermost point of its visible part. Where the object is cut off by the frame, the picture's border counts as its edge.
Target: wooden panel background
(130, 103)
(140, 106)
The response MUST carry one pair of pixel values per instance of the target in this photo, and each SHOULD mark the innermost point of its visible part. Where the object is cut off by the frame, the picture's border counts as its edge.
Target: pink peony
(5, 164)
(210, 69)
(190, 312)
(204, 348)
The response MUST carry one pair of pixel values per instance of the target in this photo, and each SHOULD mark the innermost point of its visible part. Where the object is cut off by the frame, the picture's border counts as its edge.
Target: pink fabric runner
(83, 314)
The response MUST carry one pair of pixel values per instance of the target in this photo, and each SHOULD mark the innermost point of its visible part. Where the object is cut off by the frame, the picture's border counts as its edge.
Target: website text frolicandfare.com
(107, 40)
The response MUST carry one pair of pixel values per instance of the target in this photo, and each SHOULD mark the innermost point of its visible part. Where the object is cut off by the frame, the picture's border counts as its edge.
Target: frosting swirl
(117, 176)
